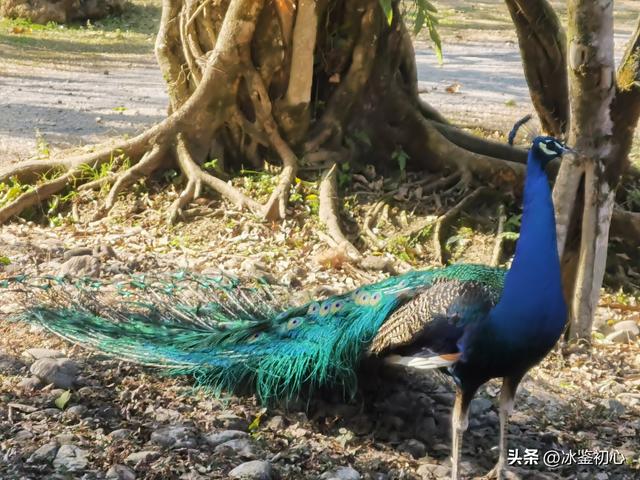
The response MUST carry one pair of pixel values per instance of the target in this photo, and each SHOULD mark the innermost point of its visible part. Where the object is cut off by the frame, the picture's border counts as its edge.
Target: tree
(576, 92)
(294, 82)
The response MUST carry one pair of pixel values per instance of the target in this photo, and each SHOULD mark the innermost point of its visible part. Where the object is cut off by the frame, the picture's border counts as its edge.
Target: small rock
(413, 447)
(627, 326)
(479, 405)
(70, 458)
(177, 436)
(143, 456)
(239, 446)
(31, 383)
(44, 414)
(120, 472)
(22, 435)
(44, 454)
(39, 353)
(104, 252)
(77, 411)
(215, 439)
(9, 365)
(81, 266)
(621, 336)
(375, 262)
(616, 407)
(60, 371)
(275, 424)
(65, 438)
(432, 471)
(166, 415)
(120, 434)
(253, 470)
(341, 473)
(76, 252)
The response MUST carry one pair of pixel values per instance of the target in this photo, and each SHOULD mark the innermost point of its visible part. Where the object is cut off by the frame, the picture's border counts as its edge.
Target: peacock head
(545, 149)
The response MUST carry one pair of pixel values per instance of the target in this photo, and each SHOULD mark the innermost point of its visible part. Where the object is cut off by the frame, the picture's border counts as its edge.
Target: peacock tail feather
(230, 335)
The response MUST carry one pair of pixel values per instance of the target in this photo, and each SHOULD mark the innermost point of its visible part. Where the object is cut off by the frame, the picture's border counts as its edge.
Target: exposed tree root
(444, 221)
(147, 164)
(329, 212)
(369, 223)
(496, 256)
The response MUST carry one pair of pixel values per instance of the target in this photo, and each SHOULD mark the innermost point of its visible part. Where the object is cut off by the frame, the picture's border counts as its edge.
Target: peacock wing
(435, 319)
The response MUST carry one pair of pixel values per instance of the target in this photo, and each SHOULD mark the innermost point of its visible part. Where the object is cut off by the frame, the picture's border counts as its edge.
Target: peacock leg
(459, 423)
(507, 395)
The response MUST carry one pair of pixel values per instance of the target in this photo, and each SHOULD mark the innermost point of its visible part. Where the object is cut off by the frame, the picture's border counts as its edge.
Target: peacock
(473, 322)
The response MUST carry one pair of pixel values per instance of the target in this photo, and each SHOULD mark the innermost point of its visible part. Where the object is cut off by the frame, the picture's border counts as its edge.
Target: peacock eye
(375, 298)
(325, 308)
(255, 337)
(362, 298)
(313, 308)
(294, 322)
(336, 306)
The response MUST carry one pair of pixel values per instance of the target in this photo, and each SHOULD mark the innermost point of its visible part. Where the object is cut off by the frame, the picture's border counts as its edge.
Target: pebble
(44, 414)
(120, 434)
(38, 353)
(142, 456)
(81, 266)
(77, 252)
(44, 454)
(62, 372)
(22, 435)
(430, 471)
(239, 446)
(341, 473)
(70, 458)
(120, 472)
(176, 436)
(65, 438)
(254, 470)
(215, 439)
(30, 383)
(275, 424)
(479, 405)
(9, 365)
(77, 411)
(413, 447)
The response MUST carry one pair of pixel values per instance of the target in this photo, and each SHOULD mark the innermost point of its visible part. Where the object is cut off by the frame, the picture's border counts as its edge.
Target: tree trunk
(585, 187)
(284, 82)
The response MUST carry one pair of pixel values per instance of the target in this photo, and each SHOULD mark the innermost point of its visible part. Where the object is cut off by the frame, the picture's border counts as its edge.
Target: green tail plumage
(231, 336)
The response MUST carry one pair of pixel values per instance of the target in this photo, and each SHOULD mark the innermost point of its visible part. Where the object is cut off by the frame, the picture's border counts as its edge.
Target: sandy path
(83, 105)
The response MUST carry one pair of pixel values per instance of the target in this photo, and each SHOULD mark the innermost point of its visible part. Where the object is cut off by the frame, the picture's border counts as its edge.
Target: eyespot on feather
(325, 308)
(313, 308)
(295, 322)
(361, 297)
(337, 306)
(255, 337)
(375, 298)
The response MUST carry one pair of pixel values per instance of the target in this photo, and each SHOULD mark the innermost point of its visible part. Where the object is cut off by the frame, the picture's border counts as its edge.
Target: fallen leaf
(453, 88)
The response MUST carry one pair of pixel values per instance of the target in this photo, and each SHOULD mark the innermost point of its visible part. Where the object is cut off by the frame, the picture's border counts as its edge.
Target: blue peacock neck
(533, 287)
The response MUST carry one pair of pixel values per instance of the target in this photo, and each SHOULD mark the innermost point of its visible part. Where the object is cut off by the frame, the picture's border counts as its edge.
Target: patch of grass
(133, 32)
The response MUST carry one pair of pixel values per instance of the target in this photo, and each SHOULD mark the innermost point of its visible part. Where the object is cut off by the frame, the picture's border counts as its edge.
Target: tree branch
(543, 49)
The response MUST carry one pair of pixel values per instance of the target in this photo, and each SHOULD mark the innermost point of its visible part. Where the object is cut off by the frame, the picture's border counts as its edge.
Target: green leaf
(400, 156)
(425, 16)
(63, 399)
(387, 9)
(256, 421)
(4, 260)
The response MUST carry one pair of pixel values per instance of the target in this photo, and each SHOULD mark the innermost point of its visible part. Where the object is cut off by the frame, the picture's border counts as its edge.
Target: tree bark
(603, 117)
(543, 50)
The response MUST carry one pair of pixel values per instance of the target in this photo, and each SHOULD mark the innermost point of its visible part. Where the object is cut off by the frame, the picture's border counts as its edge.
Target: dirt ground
(85, 84)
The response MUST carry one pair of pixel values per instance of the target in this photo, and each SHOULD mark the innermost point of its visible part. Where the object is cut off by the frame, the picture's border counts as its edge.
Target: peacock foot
(500, 472)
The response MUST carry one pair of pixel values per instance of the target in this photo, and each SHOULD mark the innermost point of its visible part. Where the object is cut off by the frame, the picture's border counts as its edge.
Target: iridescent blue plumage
(478, 322)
